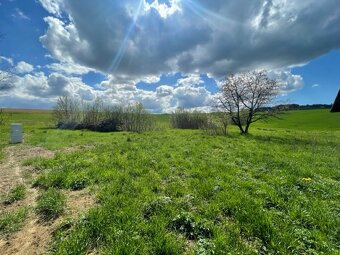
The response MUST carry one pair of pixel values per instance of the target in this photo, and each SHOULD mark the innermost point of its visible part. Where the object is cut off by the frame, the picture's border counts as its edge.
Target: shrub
(50, 204)
(184, 119)
(71, 113)
(217, 124)
(15, 194)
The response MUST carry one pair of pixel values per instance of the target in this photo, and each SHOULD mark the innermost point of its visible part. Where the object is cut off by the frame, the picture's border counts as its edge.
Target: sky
(165, 53)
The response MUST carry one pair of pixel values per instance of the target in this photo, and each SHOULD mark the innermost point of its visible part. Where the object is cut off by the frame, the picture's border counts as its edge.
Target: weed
(186, 224)
(204, 247)
(156, 206)
(79, 183)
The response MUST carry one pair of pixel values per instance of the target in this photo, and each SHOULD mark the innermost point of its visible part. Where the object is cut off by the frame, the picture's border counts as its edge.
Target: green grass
(12, 221)
(229, 193)
(50, 204)
(305, 120)
(15, 194)
(275, 191)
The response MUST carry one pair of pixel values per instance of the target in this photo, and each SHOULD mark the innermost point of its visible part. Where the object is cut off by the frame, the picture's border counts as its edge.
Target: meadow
(274, 191)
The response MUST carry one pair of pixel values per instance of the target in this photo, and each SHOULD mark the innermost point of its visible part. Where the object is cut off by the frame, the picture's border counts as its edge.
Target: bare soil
(35, 236)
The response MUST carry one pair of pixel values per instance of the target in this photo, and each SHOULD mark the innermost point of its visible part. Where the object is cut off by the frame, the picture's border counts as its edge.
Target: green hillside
(305, 120)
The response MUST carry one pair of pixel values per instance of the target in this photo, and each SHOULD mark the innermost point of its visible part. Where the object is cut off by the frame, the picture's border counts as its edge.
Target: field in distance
(275, 191)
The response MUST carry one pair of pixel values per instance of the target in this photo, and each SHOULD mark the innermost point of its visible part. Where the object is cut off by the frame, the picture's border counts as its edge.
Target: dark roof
(336, 105)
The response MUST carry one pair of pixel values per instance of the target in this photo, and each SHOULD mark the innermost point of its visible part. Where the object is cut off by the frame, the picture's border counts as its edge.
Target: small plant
(156, 206)
(205, 247)
(12, 221)
(189, 227)
(79, 184)
(50, 204)
(15, 194)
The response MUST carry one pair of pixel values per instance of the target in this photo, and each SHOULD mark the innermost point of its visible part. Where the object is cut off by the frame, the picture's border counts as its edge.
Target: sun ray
(207, 14)
(121, 51)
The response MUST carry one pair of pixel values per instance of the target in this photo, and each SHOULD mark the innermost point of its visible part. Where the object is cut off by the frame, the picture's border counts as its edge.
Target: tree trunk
(246, 129)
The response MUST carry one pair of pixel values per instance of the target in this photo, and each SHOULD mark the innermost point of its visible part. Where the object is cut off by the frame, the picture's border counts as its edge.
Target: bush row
(212, 123)
(71, 113)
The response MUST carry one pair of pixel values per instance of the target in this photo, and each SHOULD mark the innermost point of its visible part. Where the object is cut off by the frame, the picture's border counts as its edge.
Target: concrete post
(16, 133)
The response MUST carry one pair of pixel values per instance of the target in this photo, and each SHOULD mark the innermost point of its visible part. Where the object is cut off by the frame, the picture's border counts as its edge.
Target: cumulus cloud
(52, 6)
(45, 89)
(191, 36)
(23, 67)
(288, 82)
(69, 68)
(141, 40)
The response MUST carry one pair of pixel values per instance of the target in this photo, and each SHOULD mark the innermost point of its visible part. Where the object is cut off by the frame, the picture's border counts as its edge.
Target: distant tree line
(291, 107)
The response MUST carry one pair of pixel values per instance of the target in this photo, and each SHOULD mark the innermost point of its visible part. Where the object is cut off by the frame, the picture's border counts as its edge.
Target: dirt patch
(35, 236)
(11, 169)
(79, 202)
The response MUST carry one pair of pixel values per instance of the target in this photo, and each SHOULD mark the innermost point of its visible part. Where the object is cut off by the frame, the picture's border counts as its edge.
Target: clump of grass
(186, 224)
(156, 206)
(12, 221)
(15, 194)
(50, 204)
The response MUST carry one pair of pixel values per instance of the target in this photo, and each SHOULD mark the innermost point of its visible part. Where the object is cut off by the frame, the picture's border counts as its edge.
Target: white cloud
(52, 6)
(130, 44)
(20, 15)
(69, 68)
(198, 36)
(189, 91)
(164, 9)
(45, 89)
(315, 85)
(6, 60)
(289, 82)
(23, 67)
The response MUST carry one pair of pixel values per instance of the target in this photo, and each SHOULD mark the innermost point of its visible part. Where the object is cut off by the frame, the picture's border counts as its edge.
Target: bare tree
(245, 97)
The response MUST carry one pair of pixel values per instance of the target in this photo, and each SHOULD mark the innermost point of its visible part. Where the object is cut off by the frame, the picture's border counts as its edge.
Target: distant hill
(305, 119)
(293, 107)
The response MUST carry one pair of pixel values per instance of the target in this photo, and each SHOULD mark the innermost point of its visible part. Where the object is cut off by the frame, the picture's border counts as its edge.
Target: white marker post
(16, 133)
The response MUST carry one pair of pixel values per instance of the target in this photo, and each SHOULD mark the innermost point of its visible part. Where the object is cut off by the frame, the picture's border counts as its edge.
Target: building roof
(336, 105)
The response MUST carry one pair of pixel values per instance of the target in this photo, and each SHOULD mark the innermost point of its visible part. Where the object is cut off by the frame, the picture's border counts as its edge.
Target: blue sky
(165, 53)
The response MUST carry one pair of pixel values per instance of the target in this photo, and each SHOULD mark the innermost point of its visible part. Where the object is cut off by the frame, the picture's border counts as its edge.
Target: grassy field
(275, 191)
(306, 120)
